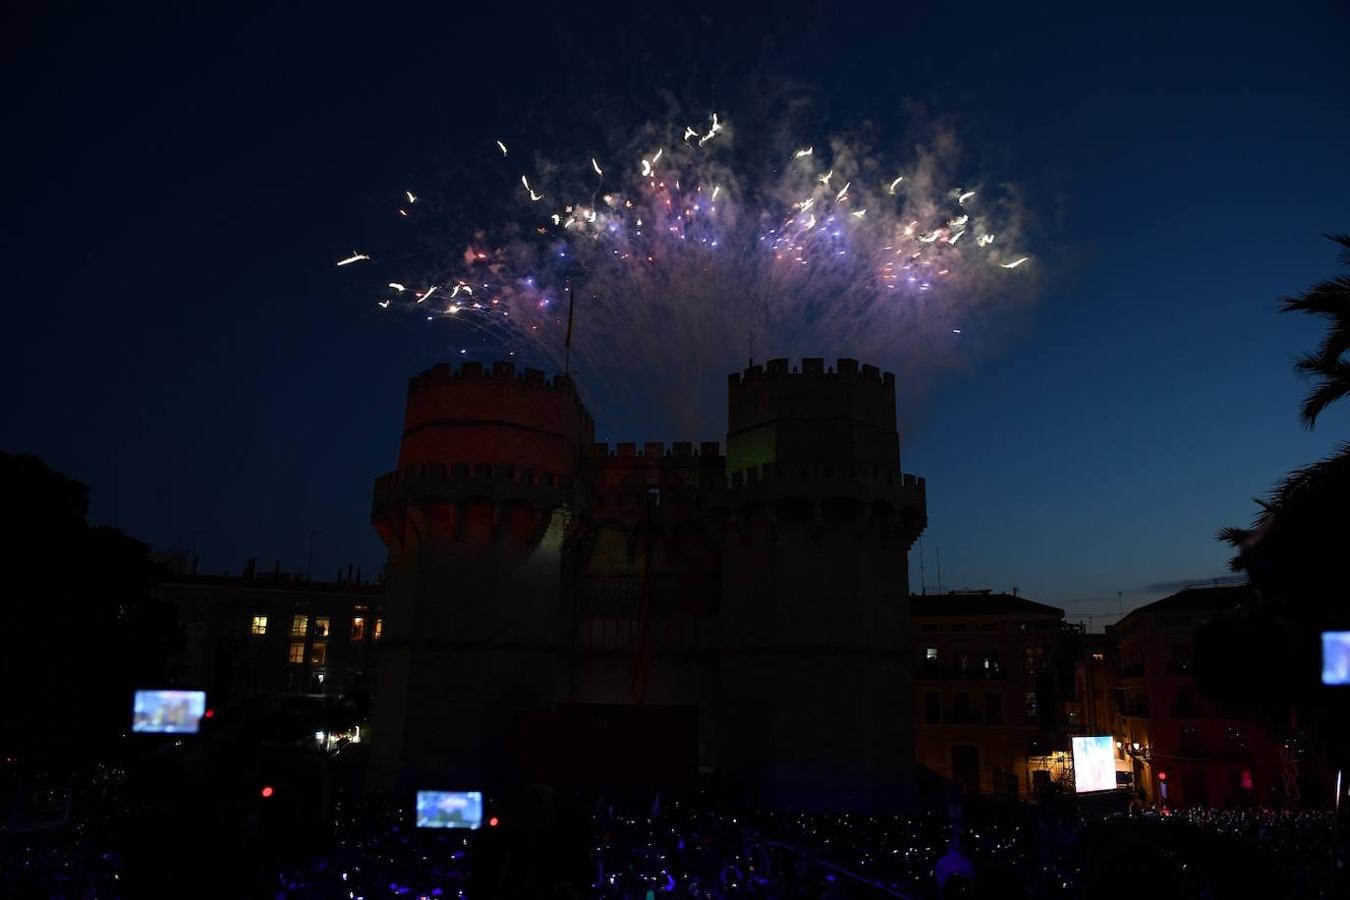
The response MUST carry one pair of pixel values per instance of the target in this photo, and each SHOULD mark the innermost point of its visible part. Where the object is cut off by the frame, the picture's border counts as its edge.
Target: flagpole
(567, 341)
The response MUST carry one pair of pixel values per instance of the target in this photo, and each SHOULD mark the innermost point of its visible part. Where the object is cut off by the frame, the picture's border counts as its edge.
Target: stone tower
(814, 707)
(476, 626)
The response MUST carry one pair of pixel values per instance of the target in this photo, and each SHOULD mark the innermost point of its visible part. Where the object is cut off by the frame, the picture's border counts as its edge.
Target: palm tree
(1296, 548)
(1331, 300)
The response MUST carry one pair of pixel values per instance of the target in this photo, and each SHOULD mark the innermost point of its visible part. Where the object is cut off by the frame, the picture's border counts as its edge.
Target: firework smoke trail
(682, 259)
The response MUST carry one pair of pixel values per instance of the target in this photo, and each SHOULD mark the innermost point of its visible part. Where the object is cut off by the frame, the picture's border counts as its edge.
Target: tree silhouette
(1296, 547)
(82, 628)
(1331, 300)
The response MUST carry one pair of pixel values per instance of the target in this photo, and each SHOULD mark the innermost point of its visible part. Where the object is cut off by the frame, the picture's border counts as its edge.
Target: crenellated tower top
(486, 417)
(842, 417)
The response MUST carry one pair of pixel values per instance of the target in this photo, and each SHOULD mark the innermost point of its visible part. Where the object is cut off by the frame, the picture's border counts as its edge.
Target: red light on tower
(210, 714)
(494, 822)
(267, 791)
(1162, 776)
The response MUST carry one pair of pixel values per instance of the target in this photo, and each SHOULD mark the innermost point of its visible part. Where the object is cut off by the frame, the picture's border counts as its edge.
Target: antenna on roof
(938, 551)
(923, 583)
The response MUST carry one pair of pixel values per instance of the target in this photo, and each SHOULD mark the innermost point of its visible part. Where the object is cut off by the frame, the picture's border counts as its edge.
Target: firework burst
(682, 258)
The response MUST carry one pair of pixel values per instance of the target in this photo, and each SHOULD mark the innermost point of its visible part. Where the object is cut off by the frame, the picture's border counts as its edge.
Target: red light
(1162, 776)
(267, 791)
(494, 822)
(210, 714)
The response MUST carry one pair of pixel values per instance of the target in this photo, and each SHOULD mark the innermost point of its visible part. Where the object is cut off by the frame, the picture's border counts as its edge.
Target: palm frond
(1344, 241)
(1308, 481)
(1298, 500)
(1334, 385)
(1337, 342)
(1326, 298)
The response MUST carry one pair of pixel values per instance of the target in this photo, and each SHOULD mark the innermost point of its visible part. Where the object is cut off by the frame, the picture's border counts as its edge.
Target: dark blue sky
(179, 184)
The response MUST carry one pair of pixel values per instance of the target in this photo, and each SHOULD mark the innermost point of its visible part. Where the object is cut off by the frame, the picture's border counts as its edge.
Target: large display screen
(1336, 657)
(449, 809)
(1094, 764)
(168, 712)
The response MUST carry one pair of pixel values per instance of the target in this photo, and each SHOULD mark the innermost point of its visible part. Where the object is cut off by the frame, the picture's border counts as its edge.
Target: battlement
(654, 450)
(418, 485)
(843, 416)
(500, 372)
(823, 485)
(424, 473)
(813, 367)
(493, 415)
(824, 473)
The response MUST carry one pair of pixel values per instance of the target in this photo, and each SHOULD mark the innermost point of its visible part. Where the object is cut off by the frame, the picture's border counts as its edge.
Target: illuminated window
(299, 625)
(359, 628)
(379, 626)
(1098, 656)
(321, 627)
(930, 655)
(297, 652)
(259, 625)
(318, 654)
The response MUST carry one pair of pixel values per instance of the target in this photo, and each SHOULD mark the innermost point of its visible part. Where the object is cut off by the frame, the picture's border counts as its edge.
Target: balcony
(939, 672)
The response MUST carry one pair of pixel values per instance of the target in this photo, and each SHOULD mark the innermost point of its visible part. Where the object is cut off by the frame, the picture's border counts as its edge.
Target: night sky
(179, 185)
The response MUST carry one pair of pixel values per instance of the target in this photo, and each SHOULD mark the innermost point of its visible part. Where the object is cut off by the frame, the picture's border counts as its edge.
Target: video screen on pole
(449, 809)
(1336, 657)
(1094, 764)
(168, 712)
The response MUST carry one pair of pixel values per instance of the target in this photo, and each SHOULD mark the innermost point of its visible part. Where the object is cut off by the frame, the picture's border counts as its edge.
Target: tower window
(318, 654)
(299, 625)
(297, 652)
(379, 627)
(359, 628)
(321, 628)
(259, 625)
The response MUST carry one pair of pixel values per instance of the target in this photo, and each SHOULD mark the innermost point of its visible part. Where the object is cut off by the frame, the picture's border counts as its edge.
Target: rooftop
(270, 582)
(1199, 599)
(977, 603)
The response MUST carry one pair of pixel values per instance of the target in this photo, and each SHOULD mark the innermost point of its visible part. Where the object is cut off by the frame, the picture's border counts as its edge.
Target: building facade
(258, 636)
(758, 597)
(989, 692)
(1183, 748)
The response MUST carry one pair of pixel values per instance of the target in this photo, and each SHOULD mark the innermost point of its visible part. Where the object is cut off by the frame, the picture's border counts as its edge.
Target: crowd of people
(693, 849)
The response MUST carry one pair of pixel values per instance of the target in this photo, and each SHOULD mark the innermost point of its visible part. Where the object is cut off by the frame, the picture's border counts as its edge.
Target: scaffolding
(1058, 764)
